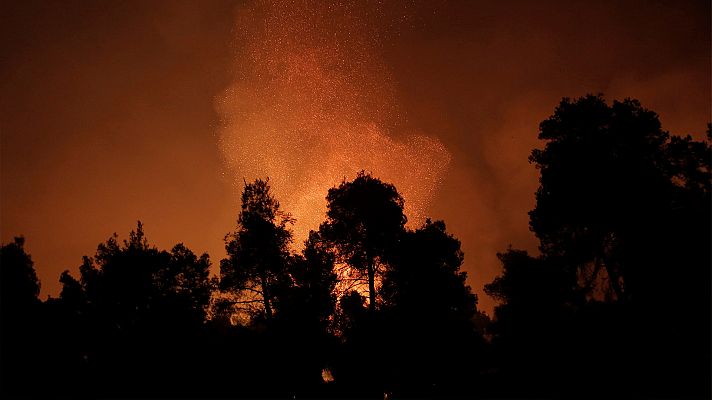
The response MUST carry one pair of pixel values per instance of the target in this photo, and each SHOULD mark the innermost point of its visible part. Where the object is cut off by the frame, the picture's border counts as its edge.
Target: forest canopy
(615, 303)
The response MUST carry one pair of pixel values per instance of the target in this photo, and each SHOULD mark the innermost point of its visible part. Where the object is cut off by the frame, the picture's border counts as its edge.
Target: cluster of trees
(617, 303)
(345, 316)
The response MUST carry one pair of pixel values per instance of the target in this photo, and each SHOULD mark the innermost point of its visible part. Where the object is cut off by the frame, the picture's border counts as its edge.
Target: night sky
(116, 111)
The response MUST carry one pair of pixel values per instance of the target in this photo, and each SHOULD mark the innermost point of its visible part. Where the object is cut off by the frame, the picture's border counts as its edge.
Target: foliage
(611, 181)
(429, 333)
(364, 222)
(256, 270)
(20, 317)
(311, 299)
(19, 286)
(615, 305)
(623, 219)
(133, 283)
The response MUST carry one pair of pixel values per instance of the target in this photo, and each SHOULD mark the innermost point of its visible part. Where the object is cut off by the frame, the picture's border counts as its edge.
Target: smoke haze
(116, 111)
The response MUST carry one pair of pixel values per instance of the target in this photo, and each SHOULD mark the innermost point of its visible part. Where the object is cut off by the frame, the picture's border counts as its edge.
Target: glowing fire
(311, 104)
(326, 375)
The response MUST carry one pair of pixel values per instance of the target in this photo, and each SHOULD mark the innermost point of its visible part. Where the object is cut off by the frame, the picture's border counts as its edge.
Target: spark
(312, 103)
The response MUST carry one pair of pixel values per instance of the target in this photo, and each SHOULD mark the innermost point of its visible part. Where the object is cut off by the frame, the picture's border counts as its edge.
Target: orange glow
(111, 113)
(313, 104)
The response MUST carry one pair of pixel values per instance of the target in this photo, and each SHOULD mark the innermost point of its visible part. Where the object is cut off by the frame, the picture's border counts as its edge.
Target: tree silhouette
(364, 221)
(425, 277)
(531, 321)
(352, 314)
(304, 318)
(610, 176)
(258, 251)
(185, 284)
(357, 368)
(622, 198)
(19, 319)
(140, 313)
(134, 283)
(429, 311)
(18, 283)
(616, 303)
(623, 219)
(311, 300)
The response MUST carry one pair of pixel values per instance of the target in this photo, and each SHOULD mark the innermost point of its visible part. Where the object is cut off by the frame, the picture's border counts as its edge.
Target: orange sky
(116, 111)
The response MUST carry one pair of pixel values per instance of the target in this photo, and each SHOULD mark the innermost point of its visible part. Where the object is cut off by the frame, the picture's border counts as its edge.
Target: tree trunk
(265, 296)
(615, 283)
(371, 286)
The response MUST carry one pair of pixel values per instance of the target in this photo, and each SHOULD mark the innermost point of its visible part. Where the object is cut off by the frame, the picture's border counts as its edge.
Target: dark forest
(615, 304)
